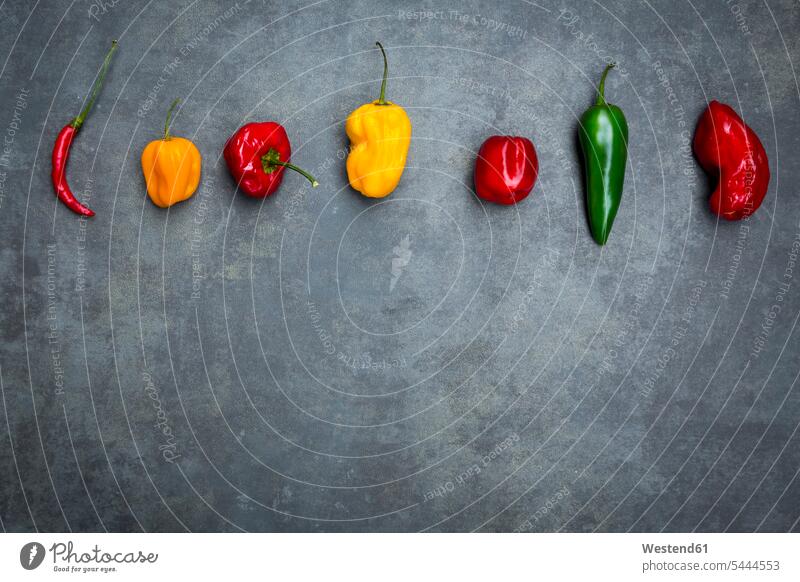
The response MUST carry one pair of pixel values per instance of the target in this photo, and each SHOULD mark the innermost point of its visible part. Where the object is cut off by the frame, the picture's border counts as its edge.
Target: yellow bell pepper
(380, 133)
(171, 167)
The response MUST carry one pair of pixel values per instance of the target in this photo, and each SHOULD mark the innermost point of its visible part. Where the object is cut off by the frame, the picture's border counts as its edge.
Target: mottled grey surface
(320, 361)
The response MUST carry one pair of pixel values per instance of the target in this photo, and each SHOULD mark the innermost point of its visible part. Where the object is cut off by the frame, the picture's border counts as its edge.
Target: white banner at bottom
(400, 557)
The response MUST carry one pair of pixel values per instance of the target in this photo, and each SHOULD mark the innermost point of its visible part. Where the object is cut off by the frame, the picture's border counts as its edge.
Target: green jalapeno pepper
(604, 140)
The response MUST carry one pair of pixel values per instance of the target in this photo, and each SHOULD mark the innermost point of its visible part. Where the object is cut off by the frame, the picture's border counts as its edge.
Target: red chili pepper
(257, 155)
(726, 147)
(64, 143)
(506, 169)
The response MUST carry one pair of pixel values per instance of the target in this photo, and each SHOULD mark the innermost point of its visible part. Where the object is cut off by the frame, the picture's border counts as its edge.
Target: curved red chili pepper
(60, 157)
(63, 144)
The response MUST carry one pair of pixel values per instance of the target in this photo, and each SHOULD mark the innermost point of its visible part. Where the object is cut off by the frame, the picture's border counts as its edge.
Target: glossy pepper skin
(380, 134)
(506, 169)
(257, 155)
(727, 148)
(63, 144)
(603, 134)
(171, 167)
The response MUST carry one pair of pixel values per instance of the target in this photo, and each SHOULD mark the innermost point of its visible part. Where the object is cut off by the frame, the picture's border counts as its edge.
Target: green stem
(98, 83)
(272, 159)
(601, 90)
(169, 118)
(382, 98)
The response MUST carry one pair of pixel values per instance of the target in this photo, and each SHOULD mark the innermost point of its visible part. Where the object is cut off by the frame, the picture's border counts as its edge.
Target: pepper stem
(382, 98)
(601, 90)
(98, 83)
(272, 160)
(169, 118)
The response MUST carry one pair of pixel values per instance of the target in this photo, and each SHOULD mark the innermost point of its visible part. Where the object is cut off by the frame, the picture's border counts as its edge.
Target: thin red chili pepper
(64, 142)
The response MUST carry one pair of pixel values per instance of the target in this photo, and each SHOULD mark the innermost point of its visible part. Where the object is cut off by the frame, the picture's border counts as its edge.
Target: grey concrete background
(261, 365)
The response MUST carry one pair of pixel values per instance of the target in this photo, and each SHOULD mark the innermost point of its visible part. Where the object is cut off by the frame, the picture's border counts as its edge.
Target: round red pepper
(726, 147)
(257, 155)
(506, 169)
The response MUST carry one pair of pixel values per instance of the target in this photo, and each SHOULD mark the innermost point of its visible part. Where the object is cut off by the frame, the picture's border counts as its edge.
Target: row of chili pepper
(505, 171)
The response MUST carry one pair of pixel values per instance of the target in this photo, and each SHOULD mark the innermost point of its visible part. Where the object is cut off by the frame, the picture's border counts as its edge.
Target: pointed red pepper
(257, 155)
(727, 148)
(63, 144)
(506, 169)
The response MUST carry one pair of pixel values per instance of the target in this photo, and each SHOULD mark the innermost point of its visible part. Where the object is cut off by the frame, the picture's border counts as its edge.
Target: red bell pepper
(727, 148)
(506, 169)
(257, 155)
